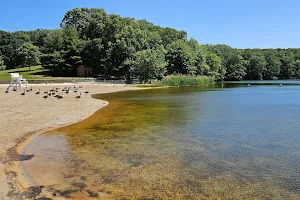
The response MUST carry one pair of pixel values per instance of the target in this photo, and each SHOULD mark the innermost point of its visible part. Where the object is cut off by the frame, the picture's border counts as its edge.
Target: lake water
(177, 143)
(265, 82)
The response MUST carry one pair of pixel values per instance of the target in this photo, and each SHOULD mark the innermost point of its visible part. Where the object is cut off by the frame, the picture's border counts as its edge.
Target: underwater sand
(175, 143)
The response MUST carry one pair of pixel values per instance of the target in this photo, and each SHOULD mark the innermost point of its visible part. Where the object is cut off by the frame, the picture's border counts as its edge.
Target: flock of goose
(55, 92)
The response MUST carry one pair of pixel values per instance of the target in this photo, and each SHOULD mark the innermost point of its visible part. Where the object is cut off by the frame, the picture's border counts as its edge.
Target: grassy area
(35, 73)
(147, 85)
(186, 80)
(179, 81)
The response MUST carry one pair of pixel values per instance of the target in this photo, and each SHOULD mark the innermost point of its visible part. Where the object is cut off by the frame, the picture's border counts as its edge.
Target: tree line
(129, 48)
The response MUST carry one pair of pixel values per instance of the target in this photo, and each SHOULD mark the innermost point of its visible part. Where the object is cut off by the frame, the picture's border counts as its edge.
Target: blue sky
(238, 23)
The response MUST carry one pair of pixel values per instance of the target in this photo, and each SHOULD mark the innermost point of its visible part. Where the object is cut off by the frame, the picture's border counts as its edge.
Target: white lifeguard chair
(17, 81)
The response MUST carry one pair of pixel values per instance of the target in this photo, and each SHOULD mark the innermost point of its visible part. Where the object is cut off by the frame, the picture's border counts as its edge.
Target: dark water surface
(177, 143)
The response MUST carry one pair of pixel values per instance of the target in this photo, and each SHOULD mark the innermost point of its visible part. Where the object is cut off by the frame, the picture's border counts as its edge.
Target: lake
(177, 143)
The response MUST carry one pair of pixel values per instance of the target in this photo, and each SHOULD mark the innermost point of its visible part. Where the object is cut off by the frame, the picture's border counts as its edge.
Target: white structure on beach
(17, 81)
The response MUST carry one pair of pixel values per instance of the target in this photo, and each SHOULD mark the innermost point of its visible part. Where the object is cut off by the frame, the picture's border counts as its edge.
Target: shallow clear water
(177, 143)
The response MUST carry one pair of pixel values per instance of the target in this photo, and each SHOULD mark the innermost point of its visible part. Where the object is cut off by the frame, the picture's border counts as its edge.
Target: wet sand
(22, 116)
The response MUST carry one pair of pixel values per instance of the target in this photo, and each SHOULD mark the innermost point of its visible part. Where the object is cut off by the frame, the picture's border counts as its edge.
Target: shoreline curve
(9, 184)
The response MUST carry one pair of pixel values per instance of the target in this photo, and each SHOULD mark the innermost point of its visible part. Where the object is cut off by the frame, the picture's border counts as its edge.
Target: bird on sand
(79, 96)
(23, 92)
(60, 96)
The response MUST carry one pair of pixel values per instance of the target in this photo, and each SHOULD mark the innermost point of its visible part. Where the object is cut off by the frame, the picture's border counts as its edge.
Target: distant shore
(22, 116)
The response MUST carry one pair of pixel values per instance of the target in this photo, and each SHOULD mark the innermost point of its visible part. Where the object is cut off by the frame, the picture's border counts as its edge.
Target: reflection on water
(177, 143)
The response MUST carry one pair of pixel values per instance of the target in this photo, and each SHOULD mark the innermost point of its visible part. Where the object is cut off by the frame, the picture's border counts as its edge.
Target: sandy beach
(26, 114)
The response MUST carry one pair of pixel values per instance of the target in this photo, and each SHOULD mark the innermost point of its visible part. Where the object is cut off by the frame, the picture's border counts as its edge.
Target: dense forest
(129, 48)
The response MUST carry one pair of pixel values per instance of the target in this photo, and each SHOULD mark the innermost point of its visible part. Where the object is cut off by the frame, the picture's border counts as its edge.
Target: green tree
(287, 65)
(87, 32)
(273, 66)
(170, 35)
(232, 61)
(93, 55)
(2, 66)
(236, 69)
(53, 61)
(149, 64)
(199, 57)
(38, 38)
(29, 55)
(90, 23)
(78, 18)
(256, 67)
(297, 68)
(71, 48)
(180, 58)
(215, 66)
(128, 41)
(11, 43)
(54, 41)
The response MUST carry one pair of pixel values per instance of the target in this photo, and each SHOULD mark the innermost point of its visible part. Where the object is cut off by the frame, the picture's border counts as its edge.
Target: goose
(86, 92)
(49, 94)
(6, 91)
(23, 92)
(67, 92)
(38, 92)
(60, 96)
(30, 89)
(65, 89)
(46, 92)
(79, 96)
(45, 97)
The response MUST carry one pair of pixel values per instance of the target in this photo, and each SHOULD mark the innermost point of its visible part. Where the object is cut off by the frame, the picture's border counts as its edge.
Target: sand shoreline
(23, 117)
